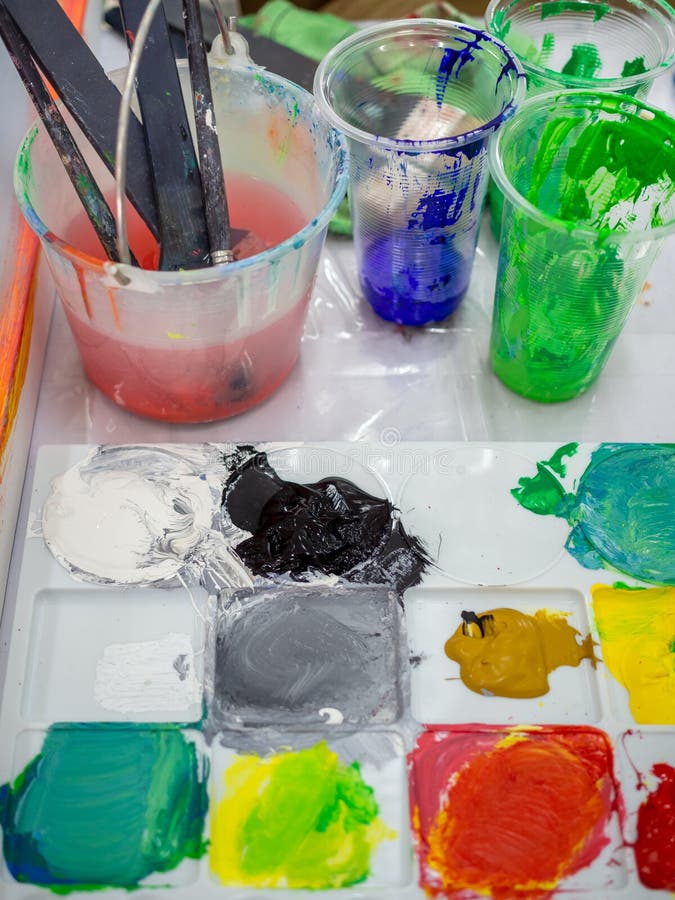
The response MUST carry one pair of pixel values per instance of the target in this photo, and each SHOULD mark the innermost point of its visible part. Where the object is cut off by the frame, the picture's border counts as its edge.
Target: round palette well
(461, 508)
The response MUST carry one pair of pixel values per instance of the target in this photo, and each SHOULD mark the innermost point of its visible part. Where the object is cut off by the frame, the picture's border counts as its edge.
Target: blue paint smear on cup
(421, 274)
(454, 60)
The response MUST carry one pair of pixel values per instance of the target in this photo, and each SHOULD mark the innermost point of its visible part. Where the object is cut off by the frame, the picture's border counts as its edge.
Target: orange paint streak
(15, 334)
(17, 303)
(114, 307)
(83, 288)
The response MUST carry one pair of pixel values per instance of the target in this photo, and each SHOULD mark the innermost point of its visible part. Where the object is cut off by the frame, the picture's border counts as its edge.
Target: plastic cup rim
(416, 146)
(573, 229)
(620, 84)
(207, 274)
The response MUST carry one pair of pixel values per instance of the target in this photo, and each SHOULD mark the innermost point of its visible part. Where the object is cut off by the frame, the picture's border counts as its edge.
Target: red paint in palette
(210, 377)
(508, 813)
(655, 844)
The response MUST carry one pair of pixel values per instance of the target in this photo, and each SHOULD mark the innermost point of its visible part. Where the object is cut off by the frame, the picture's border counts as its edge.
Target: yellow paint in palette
(637, 632)
(297, 819)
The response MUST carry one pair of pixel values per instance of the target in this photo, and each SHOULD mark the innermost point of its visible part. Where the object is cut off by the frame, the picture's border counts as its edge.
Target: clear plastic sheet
(361, 378)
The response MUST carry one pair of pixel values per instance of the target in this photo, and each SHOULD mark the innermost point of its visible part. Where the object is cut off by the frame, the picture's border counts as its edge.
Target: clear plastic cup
(418, 101)
(197, 345)
(607, 45)
(611, 45)
(589, 186)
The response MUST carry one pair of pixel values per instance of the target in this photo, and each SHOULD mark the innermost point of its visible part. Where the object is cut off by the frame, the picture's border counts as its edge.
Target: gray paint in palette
(296, 655)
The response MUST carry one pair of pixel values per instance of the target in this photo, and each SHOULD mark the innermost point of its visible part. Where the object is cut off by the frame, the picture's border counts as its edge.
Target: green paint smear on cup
(557, 7)
(633, 67)
(104, 806)
(562, 298)
(622, 513)
(584, 62)
(609, 163)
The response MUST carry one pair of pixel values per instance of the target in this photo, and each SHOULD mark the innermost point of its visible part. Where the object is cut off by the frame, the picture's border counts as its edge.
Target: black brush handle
(89, 95)
(183, 235)
(213, 182)
(78, 171)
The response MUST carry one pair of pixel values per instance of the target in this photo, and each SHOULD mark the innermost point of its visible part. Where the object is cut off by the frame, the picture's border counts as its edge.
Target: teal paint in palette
(105, 806)
(281, 795)
(622, 513)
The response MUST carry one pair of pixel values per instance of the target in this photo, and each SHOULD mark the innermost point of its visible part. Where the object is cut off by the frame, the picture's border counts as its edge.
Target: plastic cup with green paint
(589, 184)
(608, 45)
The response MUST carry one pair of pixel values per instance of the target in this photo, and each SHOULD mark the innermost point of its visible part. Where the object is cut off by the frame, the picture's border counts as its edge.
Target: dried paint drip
(623, 512)
(284, 655)
(330, 527)
(298, 819)
(655, 845)
(101, 806)
(508, 653)
(545, 798)
(637, 632)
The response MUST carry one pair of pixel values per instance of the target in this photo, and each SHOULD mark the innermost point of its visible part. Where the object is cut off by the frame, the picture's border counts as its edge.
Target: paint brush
(78, 171)
(86, 91)
(213, 180)
(183, 236)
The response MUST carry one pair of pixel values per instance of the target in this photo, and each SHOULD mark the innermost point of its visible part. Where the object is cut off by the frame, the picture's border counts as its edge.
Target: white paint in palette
(140, 515)
(148, 676)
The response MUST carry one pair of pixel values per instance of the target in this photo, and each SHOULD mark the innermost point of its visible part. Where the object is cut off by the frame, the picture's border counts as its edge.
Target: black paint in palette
(301, 655)
(330, 526)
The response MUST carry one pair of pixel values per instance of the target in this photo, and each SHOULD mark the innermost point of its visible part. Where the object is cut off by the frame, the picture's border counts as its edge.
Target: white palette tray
(487, 552)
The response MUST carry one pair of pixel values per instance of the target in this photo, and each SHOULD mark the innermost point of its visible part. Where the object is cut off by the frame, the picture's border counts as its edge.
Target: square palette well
(440, 695)
(83, 665)
(297, 655)
(547, 799)
(105, 806)
(312, 812)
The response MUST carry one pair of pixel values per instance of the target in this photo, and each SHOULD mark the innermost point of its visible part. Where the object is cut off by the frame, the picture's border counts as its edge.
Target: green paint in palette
(587, 177)
(105, 806)
(296, 819)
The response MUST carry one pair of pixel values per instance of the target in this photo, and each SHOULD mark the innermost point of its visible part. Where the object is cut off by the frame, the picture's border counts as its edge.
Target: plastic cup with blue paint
(589, 184)
(607, 45)
(418, 101)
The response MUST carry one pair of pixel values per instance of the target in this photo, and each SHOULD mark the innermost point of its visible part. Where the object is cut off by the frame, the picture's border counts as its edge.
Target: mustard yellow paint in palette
(248, 671)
